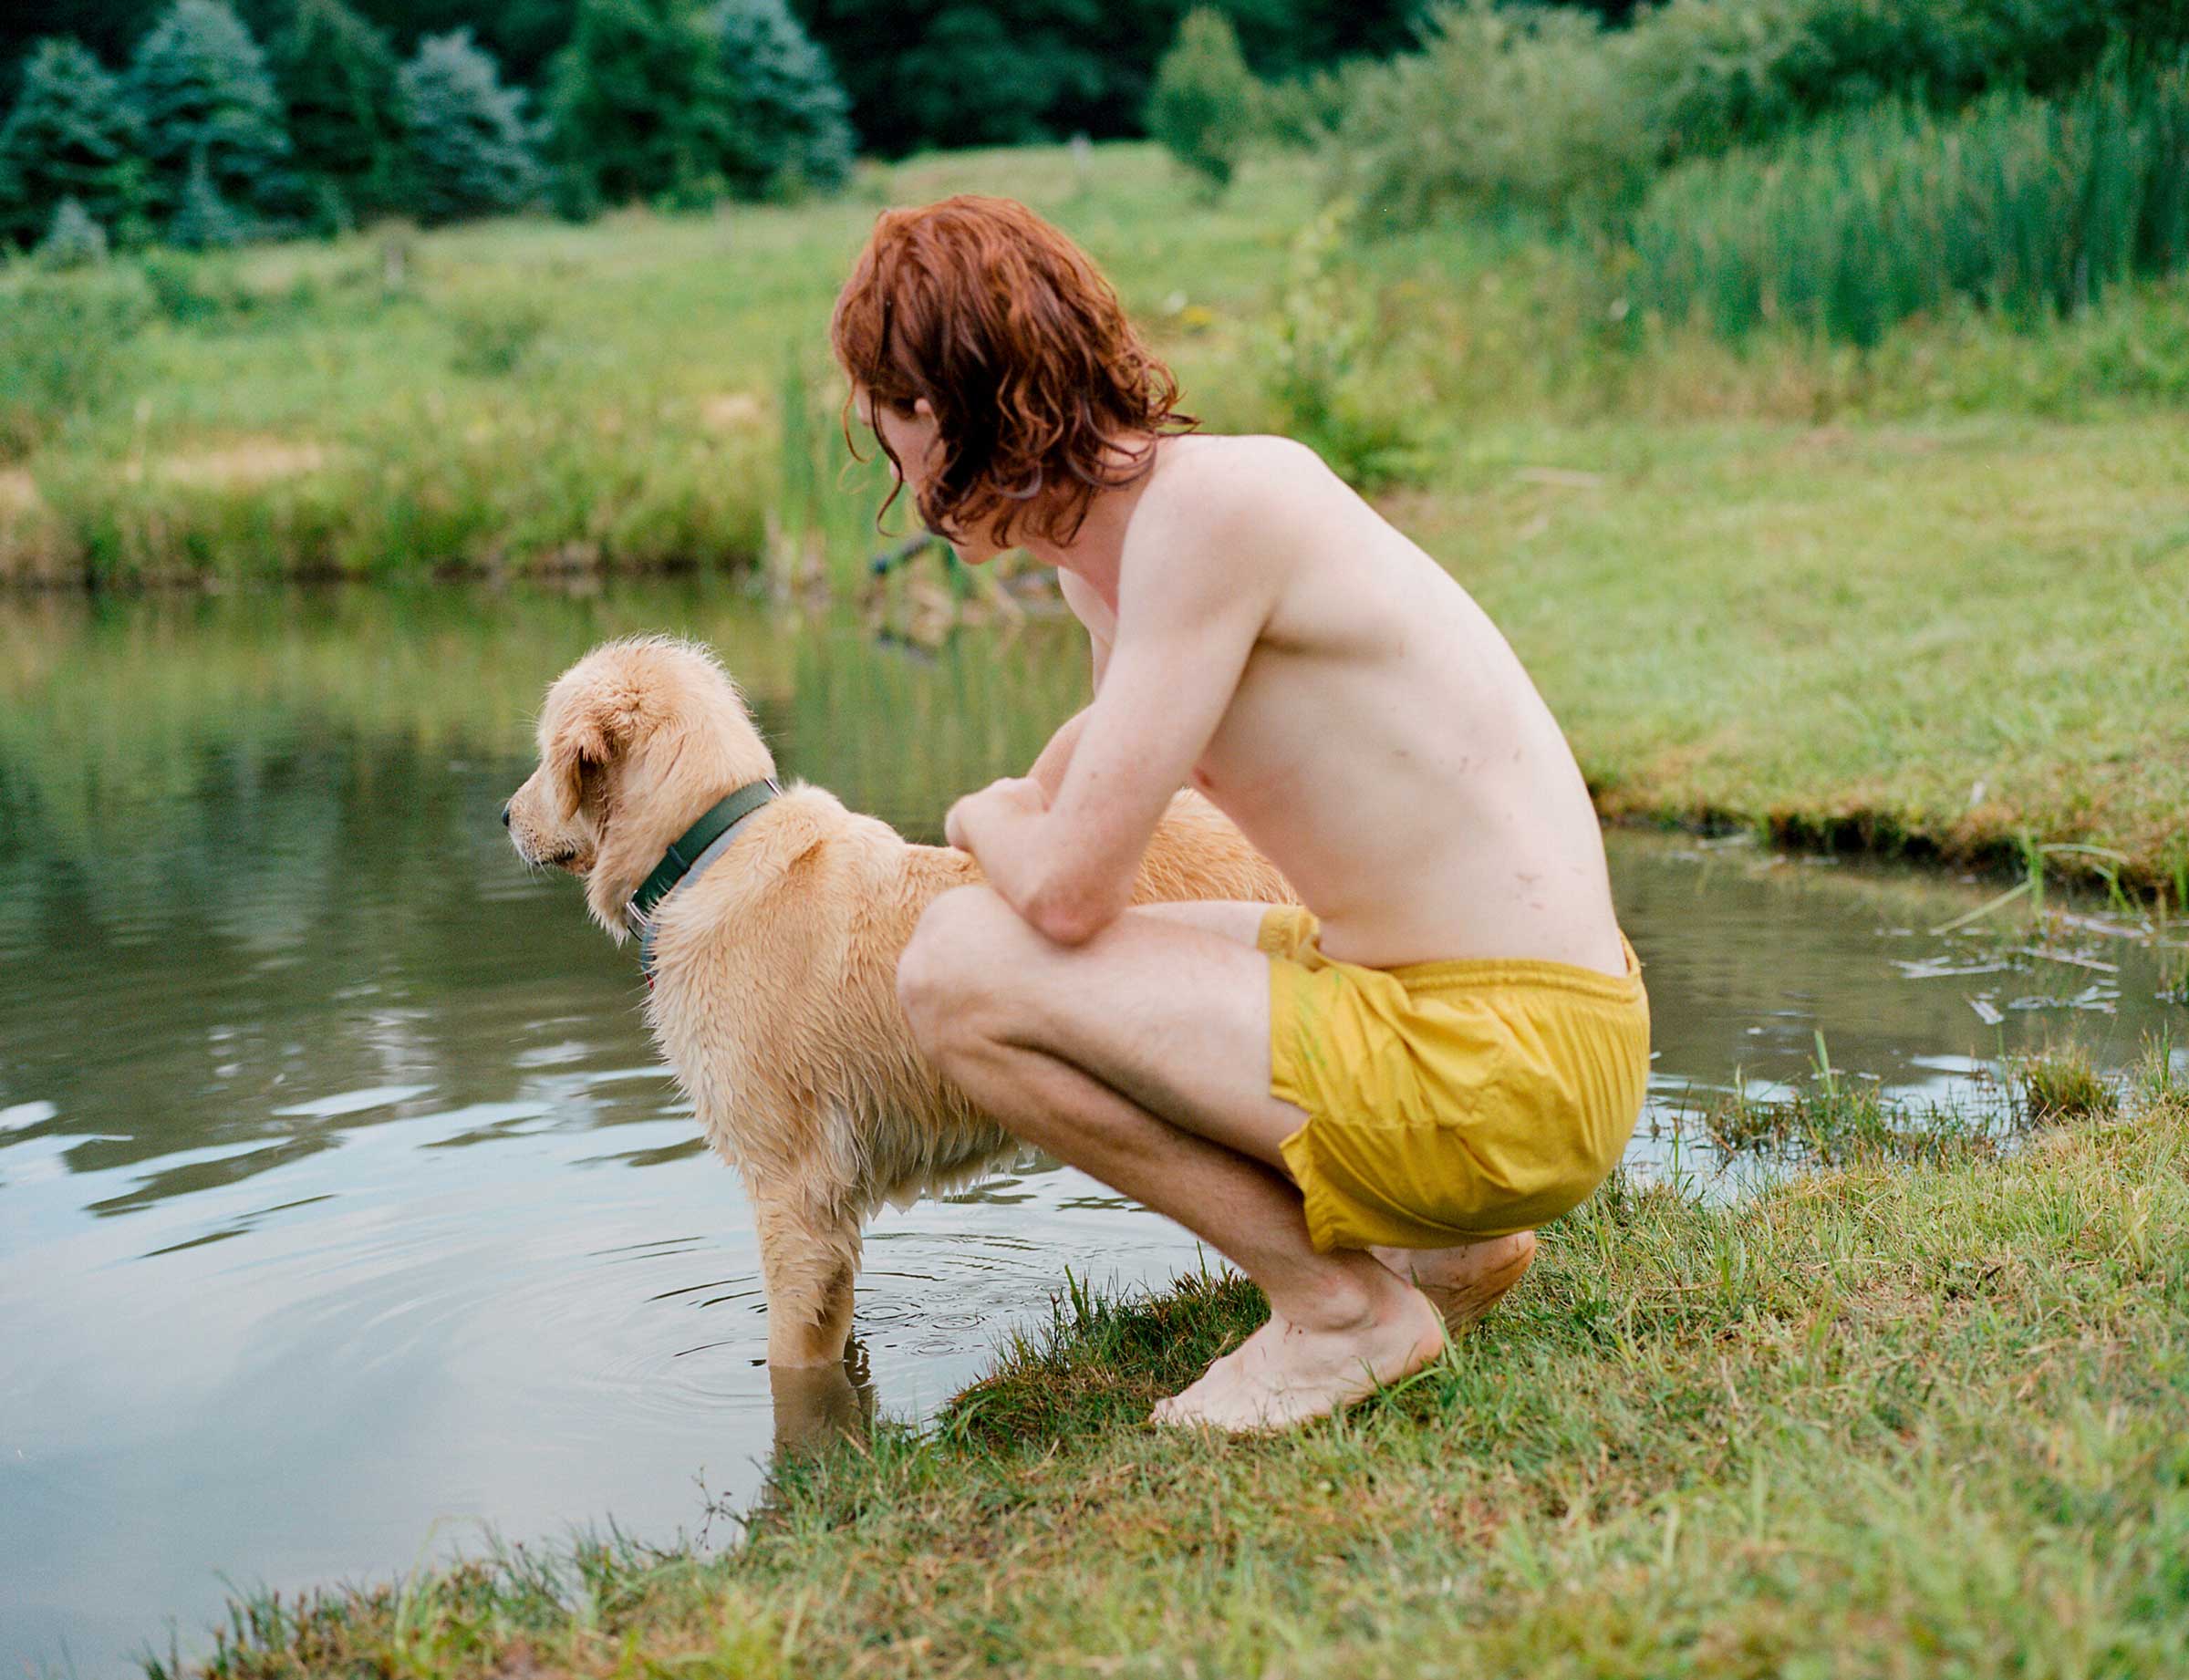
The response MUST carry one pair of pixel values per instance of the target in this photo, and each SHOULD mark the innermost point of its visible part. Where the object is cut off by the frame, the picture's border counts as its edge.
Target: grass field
(1888, 1420)
(1925, 597)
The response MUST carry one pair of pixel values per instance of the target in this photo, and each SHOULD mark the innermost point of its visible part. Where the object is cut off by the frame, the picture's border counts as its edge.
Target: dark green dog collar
(685, 849)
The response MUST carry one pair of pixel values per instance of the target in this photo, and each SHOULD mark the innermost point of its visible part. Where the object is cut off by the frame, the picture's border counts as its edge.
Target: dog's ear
(596, 734)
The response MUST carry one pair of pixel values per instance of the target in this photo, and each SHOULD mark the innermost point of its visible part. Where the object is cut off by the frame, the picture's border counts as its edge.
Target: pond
(344, 1210)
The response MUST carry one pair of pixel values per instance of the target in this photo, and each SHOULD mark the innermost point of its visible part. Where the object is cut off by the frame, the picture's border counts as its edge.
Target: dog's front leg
(809, 1260)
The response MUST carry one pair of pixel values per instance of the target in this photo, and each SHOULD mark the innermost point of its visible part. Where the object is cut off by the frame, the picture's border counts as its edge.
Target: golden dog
(775, 995)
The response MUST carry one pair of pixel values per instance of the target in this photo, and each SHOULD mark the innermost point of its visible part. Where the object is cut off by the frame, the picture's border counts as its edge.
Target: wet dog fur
(775, 995)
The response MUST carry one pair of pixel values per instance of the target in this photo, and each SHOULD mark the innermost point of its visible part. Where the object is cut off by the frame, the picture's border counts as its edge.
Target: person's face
(909, 434)
(912, 436)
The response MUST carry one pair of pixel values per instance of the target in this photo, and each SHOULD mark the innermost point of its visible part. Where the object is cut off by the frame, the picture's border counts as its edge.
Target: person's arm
(1049, 768)
(1188, 617)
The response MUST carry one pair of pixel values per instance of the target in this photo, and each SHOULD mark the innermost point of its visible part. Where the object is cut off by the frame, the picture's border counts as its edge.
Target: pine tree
(71, 135)
(203, 220)
(202, 91)
(792, 125)
(335, 74)
(466, 151)
(637, 109)
(1202, 105)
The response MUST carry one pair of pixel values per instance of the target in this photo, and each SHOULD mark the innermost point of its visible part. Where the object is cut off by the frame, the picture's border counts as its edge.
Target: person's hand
(1013, 798)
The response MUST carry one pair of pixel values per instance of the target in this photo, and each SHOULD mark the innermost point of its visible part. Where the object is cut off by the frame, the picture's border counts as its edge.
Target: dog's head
(637, 739)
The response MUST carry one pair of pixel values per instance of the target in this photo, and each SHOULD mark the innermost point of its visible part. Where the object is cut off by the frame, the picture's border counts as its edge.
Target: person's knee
(942, 977)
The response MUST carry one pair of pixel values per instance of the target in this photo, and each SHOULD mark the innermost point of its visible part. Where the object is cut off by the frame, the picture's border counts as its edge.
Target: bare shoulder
(1228, 497)
(1210, 476)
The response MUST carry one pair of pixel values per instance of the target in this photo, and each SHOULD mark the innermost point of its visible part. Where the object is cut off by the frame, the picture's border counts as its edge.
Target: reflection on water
(342, 1205)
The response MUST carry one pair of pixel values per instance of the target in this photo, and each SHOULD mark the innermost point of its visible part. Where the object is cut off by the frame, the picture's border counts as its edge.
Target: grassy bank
(1887, 1420)
(528, 396)
(1923, 597)
(1951, 639)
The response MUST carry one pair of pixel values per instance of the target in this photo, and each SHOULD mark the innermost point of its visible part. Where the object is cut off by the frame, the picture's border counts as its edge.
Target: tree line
(912, 74)
(206, 135)
(1504, 105)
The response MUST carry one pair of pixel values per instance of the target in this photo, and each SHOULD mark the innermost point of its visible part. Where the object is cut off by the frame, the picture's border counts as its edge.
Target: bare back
(1384, 746)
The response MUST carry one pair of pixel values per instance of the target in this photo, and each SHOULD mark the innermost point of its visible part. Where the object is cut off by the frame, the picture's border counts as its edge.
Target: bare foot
(1464, 1282)
(1285, 1374)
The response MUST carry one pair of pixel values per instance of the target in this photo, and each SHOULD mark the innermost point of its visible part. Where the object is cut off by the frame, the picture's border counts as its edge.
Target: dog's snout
(505, 816)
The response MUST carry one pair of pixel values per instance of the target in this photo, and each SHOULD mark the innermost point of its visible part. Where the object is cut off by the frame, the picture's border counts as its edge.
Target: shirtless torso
(1260, 632)
(1382, 744)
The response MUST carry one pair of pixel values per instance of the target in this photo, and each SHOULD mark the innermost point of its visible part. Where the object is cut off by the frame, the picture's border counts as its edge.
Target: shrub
(1315, 349)
(1711, 76)
(202, 92)
(466, 150)
(1203, 106)
(335, 74)
(2034, 206)
(942, 73)
(72, 135)
(1719, 73)
(1501, 110)
(677, 102)
(193, 291)
(635, 110)
(792, 125)
(494, 336)
(1307, 110)
(1518, 107)
(61, 338)
(1947, 52)
(74, 240)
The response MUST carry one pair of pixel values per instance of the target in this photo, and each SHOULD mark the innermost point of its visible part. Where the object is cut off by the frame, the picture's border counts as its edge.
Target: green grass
(2062, 1084)
(1924, 598)
(1831, 1118)
(506, 397)
(526, 395)
(2036, 207)
(1921, 1420)
(1941, 639)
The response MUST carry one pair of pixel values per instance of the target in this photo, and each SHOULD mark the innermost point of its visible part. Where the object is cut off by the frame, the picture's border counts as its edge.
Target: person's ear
(921, 408)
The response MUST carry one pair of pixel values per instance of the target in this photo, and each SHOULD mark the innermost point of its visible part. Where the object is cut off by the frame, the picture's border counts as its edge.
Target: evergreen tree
(467, 150)
(71, 135)
(1202, 107)
(335, 74)
(203, 220)
(943, 72)
(791, 112)
(637, 109)
(202, 91)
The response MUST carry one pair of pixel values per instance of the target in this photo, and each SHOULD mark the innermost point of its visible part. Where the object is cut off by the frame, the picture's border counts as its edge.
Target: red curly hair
(1024, 352)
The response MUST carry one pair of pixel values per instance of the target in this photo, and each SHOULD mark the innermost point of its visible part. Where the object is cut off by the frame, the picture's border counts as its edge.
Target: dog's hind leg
(809, 1260)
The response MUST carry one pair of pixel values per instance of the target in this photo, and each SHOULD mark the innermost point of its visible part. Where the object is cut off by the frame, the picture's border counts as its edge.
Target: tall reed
(2035, 207)
(823, 528)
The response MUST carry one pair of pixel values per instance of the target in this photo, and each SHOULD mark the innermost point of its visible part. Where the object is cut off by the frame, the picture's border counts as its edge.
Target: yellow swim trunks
(1448, 1102)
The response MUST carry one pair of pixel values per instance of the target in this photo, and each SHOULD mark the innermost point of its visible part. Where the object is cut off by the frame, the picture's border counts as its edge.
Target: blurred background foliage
(226, 345)
(207, 122)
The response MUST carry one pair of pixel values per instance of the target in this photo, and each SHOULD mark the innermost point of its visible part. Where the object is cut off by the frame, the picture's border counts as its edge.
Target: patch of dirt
(18, 491)
(732, 411)
(255, 461)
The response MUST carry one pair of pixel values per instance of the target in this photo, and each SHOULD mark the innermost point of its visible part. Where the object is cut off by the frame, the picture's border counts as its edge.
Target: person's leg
(1142, 1058)
(1464, 1282)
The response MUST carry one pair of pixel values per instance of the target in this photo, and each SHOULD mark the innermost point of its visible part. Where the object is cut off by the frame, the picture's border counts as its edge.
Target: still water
(344, 1210)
